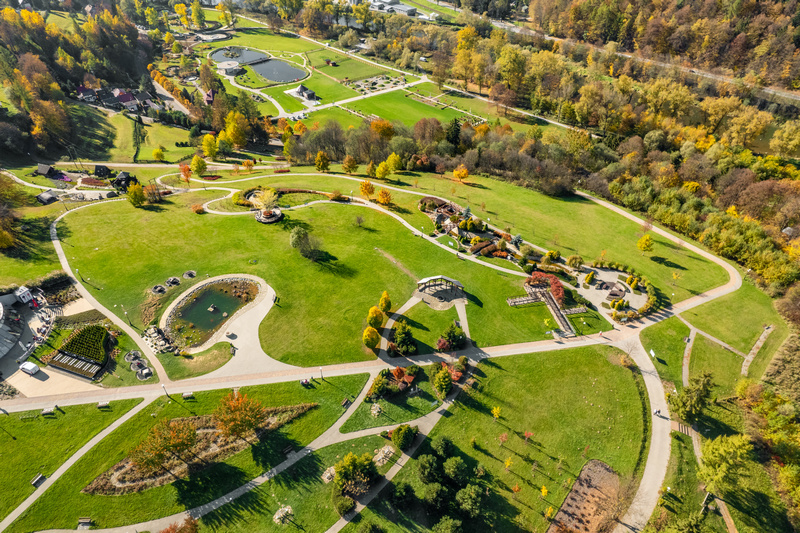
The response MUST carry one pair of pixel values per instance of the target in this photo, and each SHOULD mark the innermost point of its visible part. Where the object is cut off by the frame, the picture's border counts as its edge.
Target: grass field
(288, 103)
(666, 340)
(301, 487)
(328, 90)
(428, 325)
(739, 319)
(63, 503)
(396, 409)
(33, 444)
(63, 20)
(346, 282)
(398, 105)
(346, 67)
(190, 366)
(157, 135)
(264, 39)
(579, 399)
(724, 365)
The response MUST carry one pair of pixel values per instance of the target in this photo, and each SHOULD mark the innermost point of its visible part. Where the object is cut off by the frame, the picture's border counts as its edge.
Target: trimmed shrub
(442, 445)
(371, 338)
(342, 504)
(403, 436)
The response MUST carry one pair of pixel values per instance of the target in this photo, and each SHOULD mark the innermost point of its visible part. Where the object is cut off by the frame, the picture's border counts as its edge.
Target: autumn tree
(394, 163)
(135, 195)
(385, 303)
(198, 15)
(210, 146)
(382, 171)
(248, 165)
(198, 165)
(384, 197)
(322, 162)
(723, 460)
(349, 164)
(645, 243)
(238, 415)
(371, 169)
(786, 140)
(461, 173)
(374, 317)
(367, 189)
(496, 413)
(189, 525)
(237, 128)
(383, 128)
(354, 474)
(442, 382)
(371, 337)
(158, 154)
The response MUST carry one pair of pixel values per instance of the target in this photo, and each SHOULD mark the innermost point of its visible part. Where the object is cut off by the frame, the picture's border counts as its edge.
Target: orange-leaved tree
(238, 415)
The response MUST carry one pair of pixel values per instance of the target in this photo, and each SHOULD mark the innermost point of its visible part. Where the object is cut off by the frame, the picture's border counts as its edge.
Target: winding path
(626, 338)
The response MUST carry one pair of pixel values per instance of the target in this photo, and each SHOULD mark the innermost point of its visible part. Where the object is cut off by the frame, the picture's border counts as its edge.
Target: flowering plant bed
(281, 170)
(211, 178)
(92, 182)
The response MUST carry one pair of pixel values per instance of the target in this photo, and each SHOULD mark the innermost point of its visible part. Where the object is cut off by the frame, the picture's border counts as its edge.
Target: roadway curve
(626, 338)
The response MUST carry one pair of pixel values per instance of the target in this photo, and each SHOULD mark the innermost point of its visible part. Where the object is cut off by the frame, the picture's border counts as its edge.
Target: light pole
(165, 390)
(79, 274)
(321, 378)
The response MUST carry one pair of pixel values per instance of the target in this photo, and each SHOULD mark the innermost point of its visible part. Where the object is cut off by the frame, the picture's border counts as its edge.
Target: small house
(45, 170)
(143, 97)
(111, 101)
(208, 97)
(86, 95)
(128, 101)
(47, 197)
(102, 171)
(23, 294)
(123, 181)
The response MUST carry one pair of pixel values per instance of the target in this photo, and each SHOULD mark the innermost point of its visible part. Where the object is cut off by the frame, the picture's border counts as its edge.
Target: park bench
(102, 405)
(84, 521)
(36, 479)
(48, 411)
(288, 450)
(345, 403)
(187, 395)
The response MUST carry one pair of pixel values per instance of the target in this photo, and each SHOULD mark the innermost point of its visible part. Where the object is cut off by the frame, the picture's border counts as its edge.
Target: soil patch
(589, 505)
(211, 446)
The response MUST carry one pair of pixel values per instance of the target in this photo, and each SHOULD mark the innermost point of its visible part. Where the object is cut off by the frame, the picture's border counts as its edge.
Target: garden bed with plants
(88, 343)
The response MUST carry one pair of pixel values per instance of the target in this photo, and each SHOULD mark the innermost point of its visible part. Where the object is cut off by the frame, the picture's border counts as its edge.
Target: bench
(84, 521)
(288, 450)
(36, 479)
(345, 403)
(48, 411)
(102, 405)
(187, 395)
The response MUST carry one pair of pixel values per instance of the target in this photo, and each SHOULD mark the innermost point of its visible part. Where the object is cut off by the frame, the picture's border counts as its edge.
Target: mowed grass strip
(34, 444)
(666, 340)
(724, 365)
(399, 105)
(739, 319)
(63, 503)
(189, 366)
(573, 400)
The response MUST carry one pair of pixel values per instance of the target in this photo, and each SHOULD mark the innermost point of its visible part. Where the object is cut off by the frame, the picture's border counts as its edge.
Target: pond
(203, 312)
(270, 68)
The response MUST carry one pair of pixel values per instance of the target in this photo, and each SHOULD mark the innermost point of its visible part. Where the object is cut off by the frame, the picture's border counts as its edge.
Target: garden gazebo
(439, 283)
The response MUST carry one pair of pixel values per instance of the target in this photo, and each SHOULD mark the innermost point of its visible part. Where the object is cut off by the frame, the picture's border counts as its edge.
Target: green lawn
(63, 20)
(63, 503)
(183, 367)
(572, 400)
(346, 67)
(329, 318)
(739, 319)
(589, 322)
(120, 373)
(157, 135)
(335, 113)
(264, 39)
(666, 340)
(301, 487)
(396, 409)
(427, 324)
(33, 444)
(327, 90)
(290, 104)
(684, 496)
(724, 365)
(398, 105)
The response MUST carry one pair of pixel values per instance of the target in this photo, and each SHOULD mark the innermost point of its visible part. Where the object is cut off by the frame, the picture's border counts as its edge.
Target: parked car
(29, 368)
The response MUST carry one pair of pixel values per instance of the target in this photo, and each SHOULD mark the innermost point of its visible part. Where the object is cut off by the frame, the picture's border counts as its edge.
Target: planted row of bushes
(88, 343)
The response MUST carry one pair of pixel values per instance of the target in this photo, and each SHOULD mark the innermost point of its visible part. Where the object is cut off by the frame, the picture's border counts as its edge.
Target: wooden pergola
(439, 282)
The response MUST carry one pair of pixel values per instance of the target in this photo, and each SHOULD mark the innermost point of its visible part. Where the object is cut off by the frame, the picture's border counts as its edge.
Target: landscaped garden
(555, 411)
(64, 502)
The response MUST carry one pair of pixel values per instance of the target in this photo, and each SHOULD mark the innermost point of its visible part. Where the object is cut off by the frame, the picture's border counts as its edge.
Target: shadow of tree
(33, 237)
(663, 261)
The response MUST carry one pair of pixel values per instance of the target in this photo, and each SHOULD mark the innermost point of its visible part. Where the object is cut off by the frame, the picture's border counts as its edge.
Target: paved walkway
(748, 360)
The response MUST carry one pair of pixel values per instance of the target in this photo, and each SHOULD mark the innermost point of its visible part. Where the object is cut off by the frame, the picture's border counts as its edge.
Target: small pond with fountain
(199, 314)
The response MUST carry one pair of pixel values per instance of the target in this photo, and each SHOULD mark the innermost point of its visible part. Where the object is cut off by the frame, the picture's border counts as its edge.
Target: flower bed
(211, 178)
(92, 182)
(281, 170)
(556, 289)
(88, 343)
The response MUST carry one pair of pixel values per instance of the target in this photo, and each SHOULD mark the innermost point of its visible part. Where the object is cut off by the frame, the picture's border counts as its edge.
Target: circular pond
(201, 312)
(268, 67)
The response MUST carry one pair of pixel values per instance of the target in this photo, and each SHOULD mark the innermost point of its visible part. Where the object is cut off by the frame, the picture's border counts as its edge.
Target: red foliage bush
(281, 170)
(556, 289)
(480, 246)
(498, 253)
(91, 182)
(211, 178)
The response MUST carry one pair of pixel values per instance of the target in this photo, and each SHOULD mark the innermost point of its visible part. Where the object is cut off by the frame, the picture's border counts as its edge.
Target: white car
(29, 368)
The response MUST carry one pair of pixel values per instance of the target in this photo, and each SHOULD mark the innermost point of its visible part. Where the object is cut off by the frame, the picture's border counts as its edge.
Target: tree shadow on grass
(268, 451)
(332, 265)
(154, 208)
(666, 262)
(95, 136)
(208, 484)
(759, 510)
(288, 224)
(474, 299)
(242, 509)
(33, 242)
